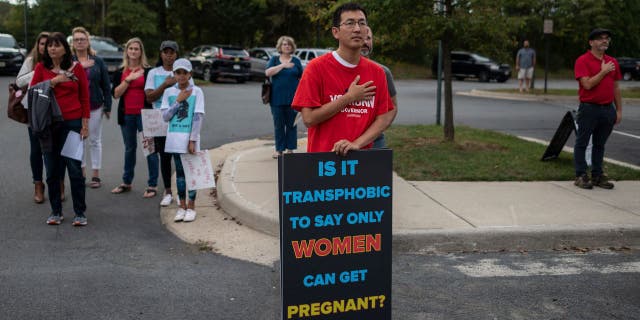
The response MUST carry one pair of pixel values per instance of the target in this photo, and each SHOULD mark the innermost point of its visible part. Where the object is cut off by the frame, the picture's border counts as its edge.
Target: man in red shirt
(343, 99)
(600, 107)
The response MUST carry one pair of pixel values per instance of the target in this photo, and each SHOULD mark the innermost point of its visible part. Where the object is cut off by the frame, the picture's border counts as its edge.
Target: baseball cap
(169, 44)
(182, 63)
(596, 33)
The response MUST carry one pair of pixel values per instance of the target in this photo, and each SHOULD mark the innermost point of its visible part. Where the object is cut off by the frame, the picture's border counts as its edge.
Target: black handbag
(266, 91)
(15, 108)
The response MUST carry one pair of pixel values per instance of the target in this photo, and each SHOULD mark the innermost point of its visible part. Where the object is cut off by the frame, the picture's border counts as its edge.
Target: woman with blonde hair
(99, 93)
(128, 86)
(285, 71)
(24, 78)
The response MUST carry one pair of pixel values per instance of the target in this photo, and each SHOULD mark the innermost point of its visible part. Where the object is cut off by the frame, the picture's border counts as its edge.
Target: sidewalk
(427, 216)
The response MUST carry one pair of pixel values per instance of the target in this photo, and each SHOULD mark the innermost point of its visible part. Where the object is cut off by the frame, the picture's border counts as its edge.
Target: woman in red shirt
(71, 90)
(128, 86)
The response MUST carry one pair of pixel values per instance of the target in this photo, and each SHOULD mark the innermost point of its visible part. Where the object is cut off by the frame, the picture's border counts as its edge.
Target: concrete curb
(515, 239)
(235, 205)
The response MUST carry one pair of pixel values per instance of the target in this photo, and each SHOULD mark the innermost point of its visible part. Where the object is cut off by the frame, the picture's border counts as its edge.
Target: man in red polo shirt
(600, 107)
(343, 98)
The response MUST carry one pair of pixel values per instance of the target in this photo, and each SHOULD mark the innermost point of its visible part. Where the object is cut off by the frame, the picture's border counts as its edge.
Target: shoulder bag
(15, 108)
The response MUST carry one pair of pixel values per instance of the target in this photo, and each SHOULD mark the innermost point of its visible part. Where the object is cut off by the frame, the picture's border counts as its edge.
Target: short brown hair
(281, 41)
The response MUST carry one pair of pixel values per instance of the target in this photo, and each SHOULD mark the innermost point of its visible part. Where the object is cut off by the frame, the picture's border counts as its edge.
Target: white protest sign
(152, 123)
(148, 145)
(198, 171)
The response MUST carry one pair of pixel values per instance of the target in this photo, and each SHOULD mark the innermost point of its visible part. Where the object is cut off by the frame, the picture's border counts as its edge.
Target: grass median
(420, 153)
(630, 92)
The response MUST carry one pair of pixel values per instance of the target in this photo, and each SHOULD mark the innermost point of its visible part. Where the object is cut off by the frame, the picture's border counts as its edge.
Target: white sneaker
(180, 214)
(166, 200)
(189, 216)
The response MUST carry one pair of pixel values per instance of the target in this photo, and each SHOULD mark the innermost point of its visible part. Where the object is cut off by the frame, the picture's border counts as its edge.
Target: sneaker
(602, 181)
(583, 182)
(166, 200)
(79, 221)
(179, 215)
(55, 219)
(190, 215)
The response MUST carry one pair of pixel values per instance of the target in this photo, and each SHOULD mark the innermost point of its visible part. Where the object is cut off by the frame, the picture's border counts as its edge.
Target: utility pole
(26, 36)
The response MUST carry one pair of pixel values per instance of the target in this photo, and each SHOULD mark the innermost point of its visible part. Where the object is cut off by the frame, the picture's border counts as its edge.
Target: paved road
(125, 265)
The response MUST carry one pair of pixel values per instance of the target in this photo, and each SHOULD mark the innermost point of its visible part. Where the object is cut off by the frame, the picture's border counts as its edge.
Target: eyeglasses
(351, 24)
(80, 39)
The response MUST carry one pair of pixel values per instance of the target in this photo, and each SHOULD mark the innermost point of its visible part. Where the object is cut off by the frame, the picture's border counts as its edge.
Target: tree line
(405, 30)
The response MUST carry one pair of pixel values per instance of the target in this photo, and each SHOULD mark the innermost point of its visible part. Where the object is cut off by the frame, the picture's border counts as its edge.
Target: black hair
(350, 6)
(67, 60)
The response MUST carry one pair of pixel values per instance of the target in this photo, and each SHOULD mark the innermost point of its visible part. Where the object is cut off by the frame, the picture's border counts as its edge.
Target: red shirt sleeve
(309, 92)
(37, 74)
(580, 69)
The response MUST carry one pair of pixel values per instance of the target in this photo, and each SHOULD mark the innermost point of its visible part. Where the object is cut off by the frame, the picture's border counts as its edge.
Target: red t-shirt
(589, 65)
(326, 79)
(72, 96)
(134, 95)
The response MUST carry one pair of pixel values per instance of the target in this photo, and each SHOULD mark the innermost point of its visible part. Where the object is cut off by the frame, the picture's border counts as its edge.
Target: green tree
(127, 19)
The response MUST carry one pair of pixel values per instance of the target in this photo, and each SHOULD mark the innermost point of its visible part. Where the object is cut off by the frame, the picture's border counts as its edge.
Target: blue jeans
(130, 128)
(35, 157)
(379, 142)
(180, 180)
(286, 134)
(596, 120)
(56, 164)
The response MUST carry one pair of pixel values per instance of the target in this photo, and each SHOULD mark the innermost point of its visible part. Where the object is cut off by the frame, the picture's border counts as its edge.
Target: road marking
(491, 268)
(626, 134)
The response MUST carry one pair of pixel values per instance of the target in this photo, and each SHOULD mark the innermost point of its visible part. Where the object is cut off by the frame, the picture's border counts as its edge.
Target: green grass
(420, 153)
(631, 92)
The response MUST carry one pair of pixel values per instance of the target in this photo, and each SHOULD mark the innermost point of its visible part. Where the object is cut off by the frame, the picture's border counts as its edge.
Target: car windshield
(7, 42)
(104, 45)
(235, 52)
(480, 58)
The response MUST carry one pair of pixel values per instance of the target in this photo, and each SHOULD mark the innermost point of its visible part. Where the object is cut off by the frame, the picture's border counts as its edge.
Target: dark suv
(11, 58)
(629, 67)
(109, 51)
(212, 61)
(471, 65)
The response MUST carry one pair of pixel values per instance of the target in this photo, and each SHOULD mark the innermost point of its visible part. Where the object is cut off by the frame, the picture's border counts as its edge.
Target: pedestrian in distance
(343, 98)
(367, 49)
(599, 110)
(23, 80)
(99, 98)
(159, 79)
(183, 108)
(128, 86)
(285, 71)
(71, 90)
(525, 62)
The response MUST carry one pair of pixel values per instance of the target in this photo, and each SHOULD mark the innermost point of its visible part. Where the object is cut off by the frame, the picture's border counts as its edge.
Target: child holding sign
(183, 108)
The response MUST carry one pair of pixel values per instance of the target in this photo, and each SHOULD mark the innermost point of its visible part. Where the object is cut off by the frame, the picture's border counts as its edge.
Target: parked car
(629, 67)
(259, 58)
(110, 51)
(308, 54)
(11, 57)
(213, 61)
(472, 65)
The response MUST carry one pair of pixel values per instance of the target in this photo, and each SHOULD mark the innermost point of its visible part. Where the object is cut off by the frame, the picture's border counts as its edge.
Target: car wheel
(626, 76)
(502, 79)
(206, 74)
(240, 80)
(459, 78)
(483, 76)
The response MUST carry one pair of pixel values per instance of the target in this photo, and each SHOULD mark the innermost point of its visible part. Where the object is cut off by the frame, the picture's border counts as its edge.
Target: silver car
(259, 57)
(308, 54)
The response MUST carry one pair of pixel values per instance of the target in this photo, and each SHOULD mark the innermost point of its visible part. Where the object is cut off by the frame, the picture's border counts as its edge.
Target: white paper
(73, 147)
(152, 123)
(148, 144)
(198, 171)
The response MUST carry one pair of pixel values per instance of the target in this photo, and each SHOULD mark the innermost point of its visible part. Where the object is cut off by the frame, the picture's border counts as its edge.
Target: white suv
(308, 54)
